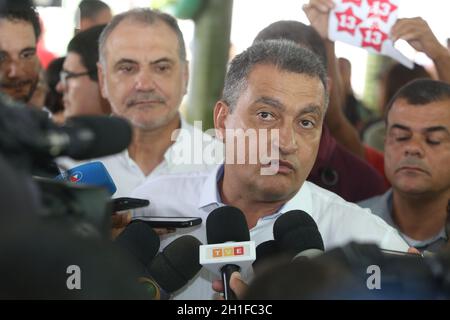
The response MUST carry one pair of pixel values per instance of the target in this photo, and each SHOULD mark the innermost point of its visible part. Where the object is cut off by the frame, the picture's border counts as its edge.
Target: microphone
(140, 241)
(173, 268)
(265, 253)
(24, 130)
(229, 247)
(297, 233)
(93, 173)
(87, 137)
(169, 270)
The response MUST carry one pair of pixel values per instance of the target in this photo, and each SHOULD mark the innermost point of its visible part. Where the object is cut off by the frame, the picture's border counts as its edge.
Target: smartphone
(121, 204)
(391, 253)
(170, 222)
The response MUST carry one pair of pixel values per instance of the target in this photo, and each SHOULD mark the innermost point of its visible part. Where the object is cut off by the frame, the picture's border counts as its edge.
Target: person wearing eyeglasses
(78, 80)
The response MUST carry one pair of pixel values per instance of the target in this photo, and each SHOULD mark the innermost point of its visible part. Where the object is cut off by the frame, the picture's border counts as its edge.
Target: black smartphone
(170, 222)
(393, 253)
(121, 204)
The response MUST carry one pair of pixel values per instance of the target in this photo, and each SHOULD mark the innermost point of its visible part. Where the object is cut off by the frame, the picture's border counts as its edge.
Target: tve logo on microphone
(227, 252)
(215, 256)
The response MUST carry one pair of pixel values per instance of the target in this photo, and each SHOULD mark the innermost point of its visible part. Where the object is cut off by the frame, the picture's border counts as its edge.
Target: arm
(419, 35)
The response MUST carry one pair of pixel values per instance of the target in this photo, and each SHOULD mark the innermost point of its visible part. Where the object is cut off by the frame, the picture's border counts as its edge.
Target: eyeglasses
(64, 76)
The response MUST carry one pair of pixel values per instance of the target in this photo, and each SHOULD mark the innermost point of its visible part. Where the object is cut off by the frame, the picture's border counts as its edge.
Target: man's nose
(287, 140)
(60, 87)
(145, 81)
(14, 70)
(414, 147)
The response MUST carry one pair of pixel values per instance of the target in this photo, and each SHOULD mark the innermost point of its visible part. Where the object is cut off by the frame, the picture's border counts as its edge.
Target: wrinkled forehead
(435, 113)
(283, 89)
(16, 34)
(147, 39)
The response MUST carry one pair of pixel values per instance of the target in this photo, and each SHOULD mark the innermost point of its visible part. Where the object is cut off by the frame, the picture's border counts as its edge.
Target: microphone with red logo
(229, 247)
(92, 173)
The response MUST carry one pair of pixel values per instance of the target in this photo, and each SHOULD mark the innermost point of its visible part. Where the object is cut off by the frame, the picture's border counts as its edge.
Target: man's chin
(18, 95)
(273, 191)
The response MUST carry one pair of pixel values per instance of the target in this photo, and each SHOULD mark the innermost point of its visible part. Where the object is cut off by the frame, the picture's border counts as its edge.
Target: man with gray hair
(143, 73)
(277, 87)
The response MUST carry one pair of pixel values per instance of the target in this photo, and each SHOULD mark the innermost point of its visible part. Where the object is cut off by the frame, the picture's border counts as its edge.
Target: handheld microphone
(265, 253)
(297, 234)
(140, 241)
(25, 131)
(173, 268)
(229, 247)
(87, 137)
(169, 270)
(93, 173)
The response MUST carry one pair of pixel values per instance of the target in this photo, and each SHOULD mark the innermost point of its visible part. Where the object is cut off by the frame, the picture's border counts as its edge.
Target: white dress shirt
(127, 175)
(197, 194)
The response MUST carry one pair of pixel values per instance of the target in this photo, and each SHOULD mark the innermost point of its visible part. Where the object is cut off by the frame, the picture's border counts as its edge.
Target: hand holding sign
(363, 23)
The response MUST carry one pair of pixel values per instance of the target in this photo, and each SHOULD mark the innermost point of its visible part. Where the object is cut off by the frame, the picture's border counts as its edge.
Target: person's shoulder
(373, 201)
(331, 205)
(345, 221)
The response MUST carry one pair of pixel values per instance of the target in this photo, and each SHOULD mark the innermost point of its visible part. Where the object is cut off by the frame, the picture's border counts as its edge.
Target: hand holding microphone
(229, 247)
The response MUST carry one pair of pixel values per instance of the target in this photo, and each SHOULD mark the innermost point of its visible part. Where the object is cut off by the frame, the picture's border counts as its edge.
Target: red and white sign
(366, 24)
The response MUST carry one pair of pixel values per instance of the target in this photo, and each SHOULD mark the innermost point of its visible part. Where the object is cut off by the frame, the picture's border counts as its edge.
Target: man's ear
(221, 112)
(101, 80)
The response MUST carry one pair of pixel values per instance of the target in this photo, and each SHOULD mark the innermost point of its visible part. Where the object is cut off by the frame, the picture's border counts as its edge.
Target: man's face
(290, 103)
(81, 94)
(144, 78)
(417, 147)
(19, 65)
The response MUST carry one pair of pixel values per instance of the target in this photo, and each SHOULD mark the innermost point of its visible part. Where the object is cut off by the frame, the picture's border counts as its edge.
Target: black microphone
(266, 252)
(297, 234)
(173, 268)
(87, 137)
(227, 224)
(169, 270)
(24, 130)
(140, 241)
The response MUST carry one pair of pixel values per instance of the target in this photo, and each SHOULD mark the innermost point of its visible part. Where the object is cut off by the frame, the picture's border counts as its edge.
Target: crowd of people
(379, 176)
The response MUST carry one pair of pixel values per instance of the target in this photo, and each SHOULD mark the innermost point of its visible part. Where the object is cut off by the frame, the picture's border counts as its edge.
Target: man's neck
(148, 147)
(420, 217)
(253, 209)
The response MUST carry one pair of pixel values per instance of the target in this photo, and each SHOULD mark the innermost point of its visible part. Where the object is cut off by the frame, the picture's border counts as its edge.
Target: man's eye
(401, 138)
(28, 55)
(162, 68)
(126, 68)
(265, 116)
(433, 142)
(307, 124)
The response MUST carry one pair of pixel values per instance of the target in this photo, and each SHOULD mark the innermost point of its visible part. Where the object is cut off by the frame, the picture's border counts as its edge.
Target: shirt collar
(168, 155)
(210, 195)
(388, 210)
